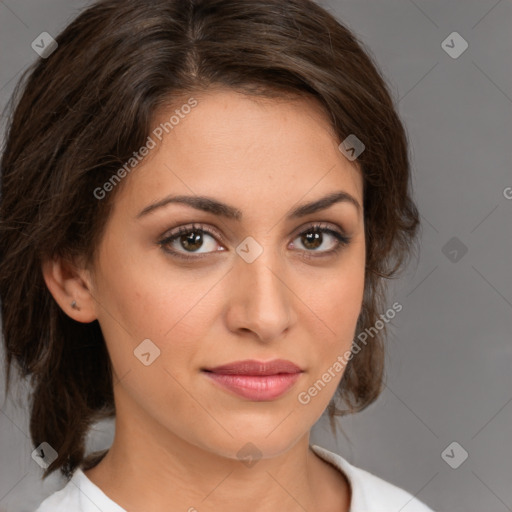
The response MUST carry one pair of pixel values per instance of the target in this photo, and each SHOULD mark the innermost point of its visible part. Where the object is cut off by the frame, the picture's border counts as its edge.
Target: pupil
(312, 237)
(192, 238)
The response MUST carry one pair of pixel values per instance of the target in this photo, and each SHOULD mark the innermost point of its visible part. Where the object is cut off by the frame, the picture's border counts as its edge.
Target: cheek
(175, 319)
(174, 311)
(335, 306)
(336, 298)
(331, 334)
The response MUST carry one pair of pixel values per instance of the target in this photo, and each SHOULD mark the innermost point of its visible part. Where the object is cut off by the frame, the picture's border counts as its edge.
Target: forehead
(233, 145)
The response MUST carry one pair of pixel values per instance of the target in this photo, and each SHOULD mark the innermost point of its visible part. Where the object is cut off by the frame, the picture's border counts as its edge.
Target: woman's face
(216, 296)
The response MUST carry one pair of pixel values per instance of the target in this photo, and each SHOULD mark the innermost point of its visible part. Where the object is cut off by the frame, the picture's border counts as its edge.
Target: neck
(177, 475)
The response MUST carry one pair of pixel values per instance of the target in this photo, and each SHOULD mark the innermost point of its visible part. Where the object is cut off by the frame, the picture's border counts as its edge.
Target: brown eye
(316, 237)
(189, 239)
(312, 239)
(192, 241)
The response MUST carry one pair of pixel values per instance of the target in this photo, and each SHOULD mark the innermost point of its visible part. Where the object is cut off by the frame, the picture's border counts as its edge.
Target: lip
(256, 380)
(259, 368)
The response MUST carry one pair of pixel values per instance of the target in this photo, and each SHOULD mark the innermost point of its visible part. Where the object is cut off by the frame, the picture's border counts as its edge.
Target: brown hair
(79, 114)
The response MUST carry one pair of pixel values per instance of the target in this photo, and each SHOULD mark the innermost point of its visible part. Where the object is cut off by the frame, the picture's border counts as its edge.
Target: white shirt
(369, 492)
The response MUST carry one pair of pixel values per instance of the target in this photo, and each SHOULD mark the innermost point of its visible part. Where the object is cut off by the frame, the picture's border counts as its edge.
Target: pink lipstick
(255, 380)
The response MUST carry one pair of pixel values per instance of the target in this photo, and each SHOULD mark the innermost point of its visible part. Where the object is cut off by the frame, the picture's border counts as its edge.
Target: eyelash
(341, 239)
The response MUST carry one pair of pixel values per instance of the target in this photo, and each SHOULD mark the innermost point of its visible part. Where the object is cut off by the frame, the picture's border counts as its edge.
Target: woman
(201, 201)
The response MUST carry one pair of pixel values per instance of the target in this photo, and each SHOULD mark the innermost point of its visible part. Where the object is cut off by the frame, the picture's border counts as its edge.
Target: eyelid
(320, 224)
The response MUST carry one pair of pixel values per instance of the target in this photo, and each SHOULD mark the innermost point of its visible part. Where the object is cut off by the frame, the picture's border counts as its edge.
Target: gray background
(449, 363)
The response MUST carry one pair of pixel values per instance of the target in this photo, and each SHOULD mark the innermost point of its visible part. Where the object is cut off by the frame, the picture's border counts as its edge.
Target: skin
(177, 433)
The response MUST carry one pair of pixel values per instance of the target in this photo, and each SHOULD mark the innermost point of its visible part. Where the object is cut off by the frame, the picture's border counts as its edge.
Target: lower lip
(266, 387)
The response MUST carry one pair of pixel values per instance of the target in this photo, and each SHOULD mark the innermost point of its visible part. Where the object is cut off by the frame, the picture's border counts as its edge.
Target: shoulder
(79, 494)
(66, 499)
(371, 493)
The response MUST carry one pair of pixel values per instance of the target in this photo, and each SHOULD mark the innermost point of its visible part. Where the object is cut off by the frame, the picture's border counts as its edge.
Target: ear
(67, 283)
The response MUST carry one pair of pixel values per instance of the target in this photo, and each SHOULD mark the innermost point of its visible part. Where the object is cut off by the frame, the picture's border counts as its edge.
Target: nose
(260, 299)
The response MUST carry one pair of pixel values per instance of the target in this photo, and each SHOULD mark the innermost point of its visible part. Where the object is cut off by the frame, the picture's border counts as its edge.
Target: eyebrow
(210, 205)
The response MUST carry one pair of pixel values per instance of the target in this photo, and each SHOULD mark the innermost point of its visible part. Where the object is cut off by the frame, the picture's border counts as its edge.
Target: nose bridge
(263, 299)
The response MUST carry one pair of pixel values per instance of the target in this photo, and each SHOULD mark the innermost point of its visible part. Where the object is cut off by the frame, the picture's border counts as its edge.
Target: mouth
(255, 380)
(256, 368)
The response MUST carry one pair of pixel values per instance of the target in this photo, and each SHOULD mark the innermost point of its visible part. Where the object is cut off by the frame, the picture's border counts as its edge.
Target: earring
(74, 306)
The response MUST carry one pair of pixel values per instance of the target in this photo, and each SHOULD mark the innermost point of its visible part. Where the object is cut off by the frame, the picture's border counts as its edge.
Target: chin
(254, 443)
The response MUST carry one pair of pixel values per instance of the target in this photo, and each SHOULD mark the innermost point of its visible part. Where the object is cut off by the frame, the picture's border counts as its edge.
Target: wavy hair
(78, 114)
